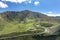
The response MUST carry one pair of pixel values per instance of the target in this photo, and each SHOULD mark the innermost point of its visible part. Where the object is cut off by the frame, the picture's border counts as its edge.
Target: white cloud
(18, 1)
(29, 1)
(36, 2)
(3, 5)
(53, 14)
(50, 13)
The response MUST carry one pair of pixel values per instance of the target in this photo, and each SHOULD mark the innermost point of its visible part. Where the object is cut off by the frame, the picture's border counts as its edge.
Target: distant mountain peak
(26, 11)
(21, 15)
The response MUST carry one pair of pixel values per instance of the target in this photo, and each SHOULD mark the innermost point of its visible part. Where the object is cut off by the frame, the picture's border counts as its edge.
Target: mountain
(20, 16)
(57, 18)
(24, 21)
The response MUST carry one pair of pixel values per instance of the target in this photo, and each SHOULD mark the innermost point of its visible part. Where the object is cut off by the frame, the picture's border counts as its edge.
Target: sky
(48, 7)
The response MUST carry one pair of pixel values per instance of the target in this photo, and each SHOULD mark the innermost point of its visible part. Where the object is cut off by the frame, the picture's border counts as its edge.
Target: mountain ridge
(24, 22)
(24, 14)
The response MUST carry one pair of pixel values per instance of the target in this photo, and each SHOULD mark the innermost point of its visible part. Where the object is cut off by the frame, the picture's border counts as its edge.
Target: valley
(26, 23)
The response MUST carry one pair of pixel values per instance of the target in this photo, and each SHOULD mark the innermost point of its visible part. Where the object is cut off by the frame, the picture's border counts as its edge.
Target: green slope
(23, 21)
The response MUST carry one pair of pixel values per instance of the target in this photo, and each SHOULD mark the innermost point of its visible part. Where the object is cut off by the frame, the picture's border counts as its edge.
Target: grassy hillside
(24, 22)
(57, 18)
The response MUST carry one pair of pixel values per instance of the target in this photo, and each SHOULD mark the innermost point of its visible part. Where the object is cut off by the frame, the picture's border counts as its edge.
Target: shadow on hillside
(36, 37)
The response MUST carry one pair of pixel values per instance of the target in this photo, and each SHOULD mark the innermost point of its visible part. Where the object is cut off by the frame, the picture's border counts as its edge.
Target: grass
(15, 26)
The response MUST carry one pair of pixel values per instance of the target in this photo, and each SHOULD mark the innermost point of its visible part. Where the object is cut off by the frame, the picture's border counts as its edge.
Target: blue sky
(48, 7)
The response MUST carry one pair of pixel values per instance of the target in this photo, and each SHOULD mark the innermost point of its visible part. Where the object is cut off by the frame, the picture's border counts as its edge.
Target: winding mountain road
(47, 30)
(21, 35)
(52, 29)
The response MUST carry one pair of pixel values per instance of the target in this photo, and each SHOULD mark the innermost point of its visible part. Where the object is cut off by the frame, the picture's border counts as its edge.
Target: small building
(31, 29)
